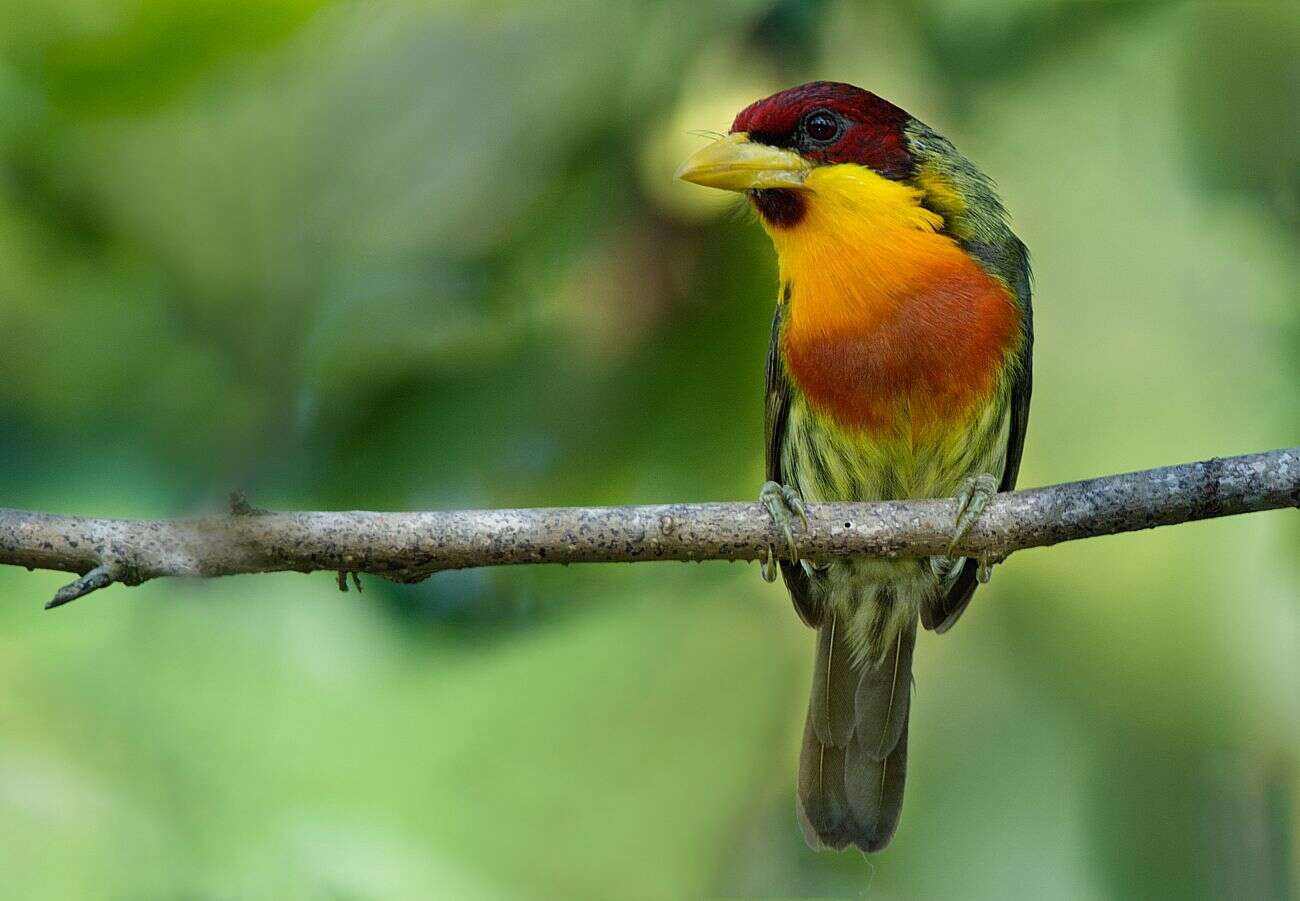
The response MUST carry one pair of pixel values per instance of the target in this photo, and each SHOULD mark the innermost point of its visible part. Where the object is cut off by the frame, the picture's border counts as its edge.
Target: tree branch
(408, 547)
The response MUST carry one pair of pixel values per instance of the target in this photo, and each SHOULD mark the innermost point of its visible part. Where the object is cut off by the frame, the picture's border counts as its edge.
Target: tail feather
(832, 710)
(874, 789)
(823, 804)
(883, 698)
(854, 759)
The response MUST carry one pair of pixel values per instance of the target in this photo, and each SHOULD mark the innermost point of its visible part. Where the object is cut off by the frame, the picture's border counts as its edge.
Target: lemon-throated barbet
(899, 367)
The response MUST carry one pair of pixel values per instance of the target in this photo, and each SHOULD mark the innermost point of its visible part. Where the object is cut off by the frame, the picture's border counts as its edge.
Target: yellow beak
(735, 163)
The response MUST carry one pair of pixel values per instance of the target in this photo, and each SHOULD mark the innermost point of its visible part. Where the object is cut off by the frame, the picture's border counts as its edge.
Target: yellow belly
(826, 462)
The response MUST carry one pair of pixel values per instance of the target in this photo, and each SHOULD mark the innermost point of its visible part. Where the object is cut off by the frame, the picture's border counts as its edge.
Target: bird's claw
(974, 496)
(781, 501)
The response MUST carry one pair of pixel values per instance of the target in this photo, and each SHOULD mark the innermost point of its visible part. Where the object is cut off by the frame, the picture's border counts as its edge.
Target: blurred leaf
(1242, 91)
(142, 55)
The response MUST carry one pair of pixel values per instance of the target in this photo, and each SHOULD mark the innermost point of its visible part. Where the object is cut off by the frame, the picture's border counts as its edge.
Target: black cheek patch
(779, 207)
(786, 141)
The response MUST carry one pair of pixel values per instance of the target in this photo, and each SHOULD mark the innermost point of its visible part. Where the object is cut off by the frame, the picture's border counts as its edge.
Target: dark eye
(821, 126)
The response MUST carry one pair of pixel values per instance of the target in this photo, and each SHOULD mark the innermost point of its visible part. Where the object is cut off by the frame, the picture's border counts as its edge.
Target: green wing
(777, 414)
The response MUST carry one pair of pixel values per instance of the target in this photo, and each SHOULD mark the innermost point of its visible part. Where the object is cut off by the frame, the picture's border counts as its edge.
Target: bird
(899, 366)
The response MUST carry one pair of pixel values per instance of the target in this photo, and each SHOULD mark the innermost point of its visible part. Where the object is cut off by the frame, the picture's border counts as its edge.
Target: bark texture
(411, 546)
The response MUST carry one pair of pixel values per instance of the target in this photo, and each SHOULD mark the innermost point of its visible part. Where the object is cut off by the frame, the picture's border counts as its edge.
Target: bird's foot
(783, 503)
(974, 496)
(976, 492)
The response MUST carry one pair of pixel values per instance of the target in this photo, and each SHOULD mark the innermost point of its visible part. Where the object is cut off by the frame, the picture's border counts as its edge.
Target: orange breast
(930, 354)
(890, 325)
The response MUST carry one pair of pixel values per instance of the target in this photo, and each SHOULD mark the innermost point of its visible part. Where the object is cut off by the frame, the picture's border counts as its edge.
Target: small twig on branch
(100, 577)
(408, 547)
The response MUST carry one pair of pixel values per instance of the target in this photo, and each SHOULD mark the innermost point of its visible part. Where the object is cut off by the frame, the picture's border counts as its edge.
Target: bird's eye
(821, 126)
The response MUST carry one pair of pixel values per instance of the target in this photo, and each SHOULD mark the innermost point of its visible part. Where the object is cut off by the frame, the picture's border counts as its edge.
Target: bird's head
(778, 145)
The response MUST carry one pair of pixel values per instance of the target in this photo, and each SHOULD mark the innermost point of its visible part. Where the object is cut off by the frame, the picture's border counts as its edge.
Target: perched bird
(899, 367)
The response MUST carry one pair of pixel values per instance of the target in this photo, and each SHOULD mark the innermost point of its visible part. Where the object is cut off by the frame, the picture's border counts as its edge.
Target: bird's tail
(854, 758)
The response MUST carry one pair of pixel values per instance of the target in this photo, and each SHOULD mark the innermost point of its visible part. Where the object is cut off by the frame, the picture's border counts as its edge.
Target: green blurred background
(397, 256)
